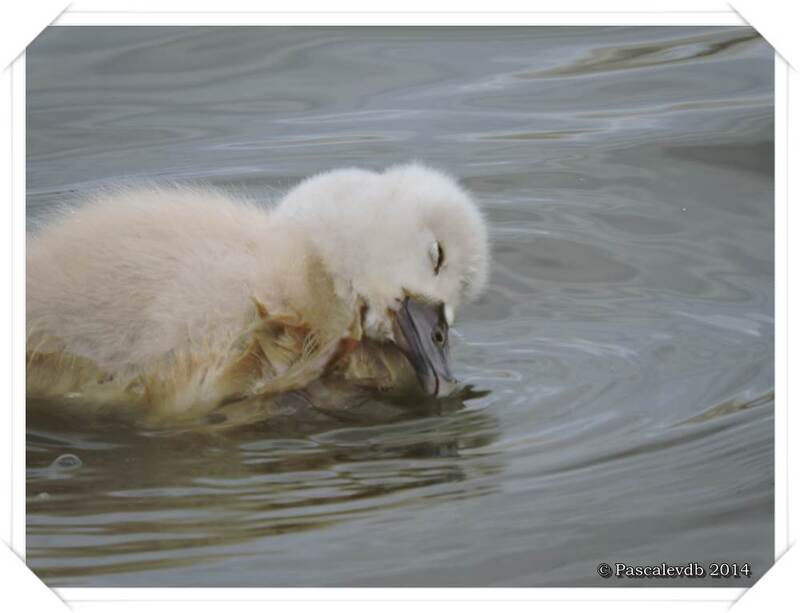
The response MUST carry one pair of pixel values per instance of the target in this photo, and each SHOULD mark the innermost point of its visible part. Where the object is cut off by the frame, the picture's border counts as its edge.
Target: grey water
(623, 352)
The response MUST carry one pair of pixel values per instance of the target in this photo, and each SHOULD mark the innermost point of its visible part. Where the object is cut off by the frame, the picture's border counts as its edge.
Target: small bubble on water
(67, 461)
(43, 496)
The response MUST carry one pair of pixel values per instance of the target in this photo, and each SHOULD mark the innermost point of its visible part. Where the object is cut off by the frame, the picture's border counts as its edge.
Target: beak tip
(438, 387)
(446, 388)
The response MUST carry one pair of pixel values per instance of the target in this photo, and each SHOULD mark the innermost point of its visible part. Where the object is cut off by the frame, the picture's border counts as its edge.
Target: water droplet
(67, 461)
(43, 496)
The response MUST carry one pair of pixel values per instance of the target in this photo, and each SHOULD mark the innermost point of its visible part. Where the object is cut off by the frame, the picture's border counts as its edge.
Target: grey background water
(626, 340)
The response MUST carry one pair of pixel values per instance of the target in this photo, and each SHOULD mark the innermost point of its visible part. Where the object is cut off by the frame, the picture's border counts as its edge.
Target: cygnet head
(409, 243)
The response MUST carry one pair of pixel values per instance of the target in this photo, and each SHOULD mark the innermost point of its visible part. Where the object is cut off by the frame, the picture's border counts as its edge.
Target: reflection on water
(297, 470)
(624, 349)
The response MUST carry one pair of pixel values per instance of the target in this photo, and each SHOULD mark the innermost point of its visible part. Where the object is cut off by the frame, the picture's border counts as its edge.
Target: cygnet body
(183, 298)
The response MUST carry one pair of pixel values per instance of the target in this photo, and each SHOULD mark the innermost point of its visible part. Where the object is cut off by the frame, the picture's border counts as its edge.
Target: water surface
(626, 340)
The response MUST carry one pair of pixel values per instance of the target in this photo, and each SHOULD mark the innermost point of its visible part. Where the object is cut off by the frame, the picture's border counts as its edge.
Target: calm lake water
(625, 346)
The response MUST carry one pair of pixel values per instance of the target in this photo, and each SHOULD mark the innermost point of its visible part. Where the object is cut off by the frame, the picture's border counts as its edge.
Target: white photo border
(12, 89)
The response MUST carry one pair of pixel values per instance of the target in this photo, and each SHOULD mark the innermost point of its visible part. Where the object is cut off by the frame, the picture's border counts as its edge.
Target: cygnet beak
(421, 333)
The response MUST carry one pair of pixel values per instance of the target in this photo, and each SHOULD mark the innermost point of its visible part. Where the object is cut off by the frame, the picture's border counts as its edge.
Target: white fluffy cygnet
(182, 298)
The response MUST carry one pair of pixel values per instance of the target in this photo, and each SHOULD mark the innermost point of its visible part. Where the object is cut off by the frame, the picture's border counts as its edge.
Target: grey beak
(421, 333)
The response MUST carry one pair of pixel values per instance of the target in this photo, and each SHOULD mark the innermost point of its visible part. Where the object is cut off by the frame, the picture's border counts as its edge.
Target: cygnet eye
(437, 256)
